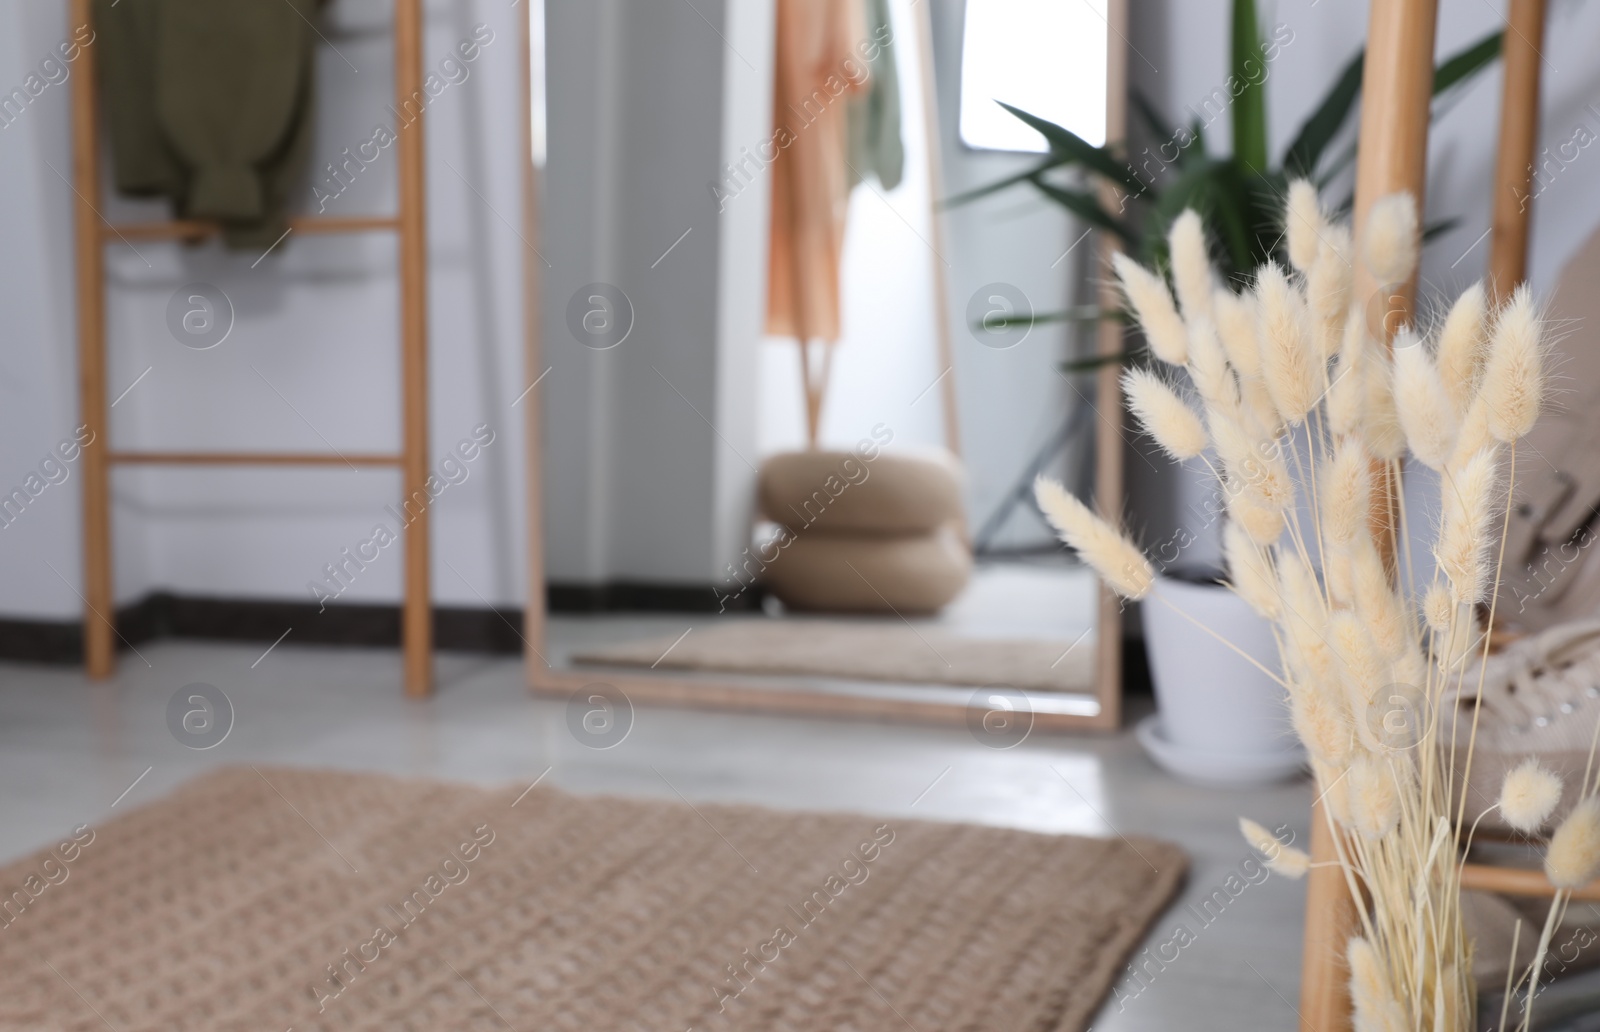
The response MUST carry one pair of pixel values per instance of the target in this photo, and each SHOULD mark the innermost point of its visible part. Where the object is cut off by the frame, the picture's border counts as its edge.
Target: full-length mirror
(799, 363)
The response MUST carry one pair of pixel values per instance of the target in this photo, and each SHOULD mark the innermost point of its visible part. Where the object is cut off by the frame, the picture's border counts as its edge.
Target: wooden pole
(941, 287)
(99, 604)
(1397, 91)
(417, 617)
(1519, 134)
(533, 610)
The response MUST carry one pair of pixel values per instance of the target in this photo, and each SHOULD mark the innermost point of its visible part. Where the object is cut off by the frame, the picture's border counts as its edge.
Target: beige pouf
(870, 573)
(840, 491)
(866, 534)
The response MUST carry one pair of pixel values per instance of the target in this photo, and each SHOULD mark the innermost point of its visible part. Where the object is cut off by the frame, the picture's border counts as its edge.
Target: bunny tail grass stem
(1594, 741)
(1483, 662)
(1395, 487)
(1403, 536)
(1505, 1002)
(1351, 867)
(1242, 653)
(1309, 478)
(1539, 955)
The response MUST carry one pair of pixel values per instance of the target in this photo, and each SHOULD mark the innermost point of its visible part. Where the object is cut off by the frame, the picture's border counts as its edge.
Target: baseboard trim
(455, 628)
(164, 615)
(634, 597)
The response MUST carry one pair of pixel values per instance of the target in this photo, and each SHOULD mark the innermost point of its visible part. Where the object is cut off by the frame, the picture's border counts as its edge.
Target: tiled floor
(69, 752)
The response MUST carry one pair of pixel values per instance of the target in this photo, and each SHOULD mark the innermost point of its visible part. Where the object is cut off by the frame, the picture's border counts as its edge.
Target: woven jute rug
(862, 651)
(274, 899)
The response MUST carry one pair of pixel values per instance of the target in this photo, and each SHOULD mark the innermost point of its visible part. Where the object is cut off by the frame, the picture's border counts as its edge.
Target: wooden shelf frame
(92, 233)
(200, 229)
(1393, 156)
(254, 459)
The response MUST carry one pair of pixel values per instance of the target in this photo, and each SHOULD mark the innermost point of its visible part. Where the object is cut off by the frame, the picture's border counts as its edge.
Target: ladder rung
(1516, 881)
(252, 459)
(198, 229)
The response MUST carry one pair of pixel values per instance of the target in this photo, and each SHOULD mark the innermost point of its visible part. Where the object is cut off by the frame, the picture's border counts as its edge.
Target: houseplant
(1372, 661)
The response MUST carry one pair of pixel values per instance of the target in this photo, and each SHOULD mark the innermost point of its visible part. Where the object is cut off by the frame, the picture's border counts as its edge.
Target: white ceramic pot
(1222, 720)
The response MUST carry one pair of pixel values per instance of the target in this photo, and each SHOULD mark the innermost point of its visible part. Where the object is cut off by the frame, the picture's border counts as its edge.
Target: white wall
(37, 387)
(650, 444)
(316, 323)
(647, 118)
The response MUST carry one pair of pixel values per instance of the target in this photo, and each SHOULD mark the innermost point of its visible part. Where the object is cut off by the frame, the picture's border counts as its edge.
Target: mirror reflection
(804, 375)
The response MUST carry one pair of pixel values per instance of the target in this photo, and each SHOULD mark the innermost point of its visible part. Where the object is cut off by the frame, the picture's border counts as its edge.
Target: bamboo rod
(1519, 134)
(417, 618)
(199, 229)
(98, 599)
(251, 459)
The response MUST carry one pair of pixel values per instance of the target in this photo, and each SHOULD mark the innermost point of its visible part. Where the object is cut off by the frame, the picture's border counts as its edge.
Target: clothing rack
(92, 233)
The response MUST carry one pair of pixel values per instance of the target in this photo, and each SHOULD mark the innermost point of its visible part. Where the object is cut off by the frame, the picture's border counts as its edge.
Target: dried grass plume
(1513, 379)
(1191, 265)
(1426, 412)
(1461, 346)
(1389, 246)
(1573, 859)
(1151, 302)
(1287, 358)
(1164, 415)
(1250, 570)
(1235, 316)
(1280, 858)
(1376, 1009)
(1112, 555)
(1529, 795)
(1303, 224)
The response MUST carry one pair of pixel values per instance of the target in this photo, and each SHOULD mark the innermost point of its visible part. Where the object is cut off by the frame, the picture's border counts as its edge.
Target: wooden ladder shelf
(92, 233)
(1394, 133)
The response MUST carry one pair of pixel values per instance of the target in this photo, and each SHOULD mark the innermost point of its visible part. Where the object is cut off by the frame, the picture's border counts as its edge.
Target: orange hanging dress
(820, 64)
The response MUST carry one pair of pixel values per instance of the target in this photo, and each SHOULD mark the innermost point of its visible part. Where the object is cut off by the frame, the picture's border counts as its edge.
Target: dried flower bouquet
(1307, 419)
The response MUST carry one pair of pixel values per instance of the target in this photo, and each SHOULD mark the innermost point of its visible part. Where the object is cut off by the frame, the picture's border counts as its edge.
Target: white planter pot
(1221, 719)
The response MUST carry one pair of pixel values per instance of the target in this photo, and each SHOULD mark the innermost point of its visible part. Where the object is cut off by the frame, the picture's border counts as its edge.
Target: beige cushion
(837, 491)
(912, 573)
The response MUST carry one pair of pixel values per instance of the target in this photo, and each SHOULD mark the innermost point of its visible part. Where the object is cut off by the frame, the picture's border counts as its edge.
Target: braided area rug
(274, 899)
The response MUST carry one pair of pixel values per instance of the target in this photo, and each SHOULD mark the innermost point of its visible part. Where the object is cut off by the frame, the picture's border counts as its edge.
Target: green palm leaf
(1466, 63)
(1324, 124)
(1063, 140)
(1083, 204)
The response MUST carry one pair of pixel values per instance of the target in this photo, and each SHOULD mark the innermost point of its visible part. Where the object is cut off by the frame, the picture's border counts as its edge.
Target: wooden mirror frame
(729, 693)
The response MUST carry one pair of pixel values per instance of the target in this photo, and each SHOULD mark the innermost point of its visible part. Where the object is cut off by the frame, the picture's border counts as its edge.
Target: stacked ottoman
(861, 535)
